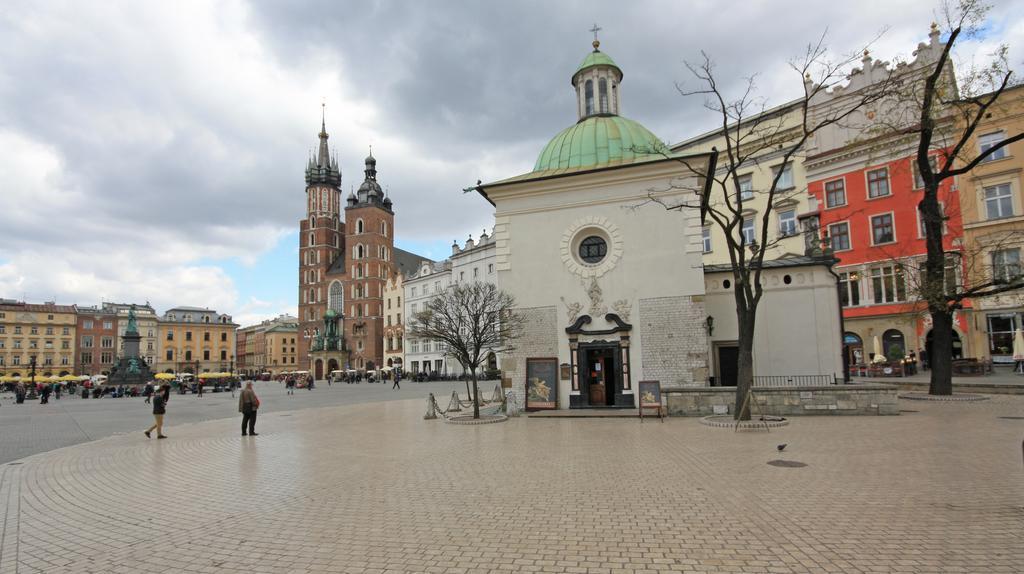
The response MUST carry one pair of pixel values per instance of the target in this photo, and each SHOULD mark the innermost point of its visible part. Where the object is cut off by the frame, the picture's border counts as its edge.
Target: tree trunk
(934, 290)
(941, 356)
(745, 364)
(476, 397)
(469, 393)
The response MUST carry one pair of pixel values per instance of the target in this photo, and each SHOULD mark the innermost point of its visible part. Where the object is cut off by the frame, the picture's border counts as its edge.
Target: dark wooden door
(728, 359)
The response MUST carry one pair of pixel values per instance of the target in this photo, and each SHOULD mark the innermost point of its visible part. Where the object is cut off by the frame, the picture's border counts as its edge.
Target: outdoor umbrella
(164, 376)
(877, 344)
(69, 378)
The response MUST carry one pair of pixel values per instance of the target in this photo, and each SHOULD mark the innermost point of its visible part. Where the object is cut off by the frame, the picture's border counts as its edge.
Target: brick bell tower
(369, 237)
(321, 243)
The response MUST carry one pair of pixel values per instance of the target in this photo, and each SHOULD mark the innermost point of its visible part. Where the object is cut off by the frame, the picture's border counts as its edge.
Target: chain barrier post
(431, 412)
(454, 405)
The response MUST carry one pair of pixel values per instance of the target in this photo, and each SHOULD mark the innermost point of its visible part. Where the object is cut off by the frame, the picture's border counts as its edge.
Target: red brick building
(96, 340)
(343, 268)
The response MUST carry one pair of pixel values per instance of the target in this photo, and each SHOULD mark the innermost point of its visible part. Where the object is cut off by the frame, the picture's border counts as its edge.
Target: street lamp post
(32, 377)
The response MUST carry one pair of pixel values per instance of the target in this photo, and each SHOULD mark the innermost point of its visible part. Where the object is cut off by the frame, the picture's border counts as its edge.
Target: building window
(918, 180)
(987, 141)
(705, 238)
(882, 229)
(476, 272)
(188, 335)
(106, 358)
(835, 193)
(224, 337)
(878, 182)
(787, 222)
(206, 336)
(1006, 265)
(921, 230)
(1001, 329)
(86, 358)
(170, 335)
(588, 95)
(107, 342)
(224, 355)
(888, 284)
(108, 324)
(785, 179)
(746, 185)
(839, 235)
(206, 355)
(87, 325)
(490, 268)
(67, 331)
(849, 289)
(602, 93)
(998, 201)
(747, 230)
(87, 342)
(592, 249)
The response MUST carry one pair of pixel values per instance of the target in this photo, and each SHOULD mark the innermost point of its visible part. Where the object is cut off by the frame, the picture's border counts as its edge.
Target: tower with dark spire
(321, 240)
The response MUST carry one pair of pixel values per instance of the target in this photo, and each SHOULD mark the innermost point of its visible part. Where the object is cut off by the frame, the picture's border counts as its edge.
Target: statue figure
(133, 366)
(622, 308)
(596, 298)
(572, 310)
(132, 326)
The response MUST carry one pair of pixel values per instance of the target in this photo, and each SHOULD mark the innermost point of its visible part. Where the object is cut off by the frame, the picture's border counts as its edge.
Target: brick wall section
(539, 339)
(674, 341)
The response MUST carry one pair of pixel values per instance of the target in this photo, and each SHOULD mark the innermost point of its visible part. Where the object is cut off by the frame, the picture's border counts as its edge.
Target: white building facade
(612, 286)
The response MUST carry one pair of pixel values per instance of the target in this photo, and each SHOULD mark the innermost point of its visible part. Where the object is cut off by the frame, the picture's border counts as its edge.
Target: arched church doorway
(957, 344)
(492, 362)
(332, 365)
(391, 363)
(318, 369)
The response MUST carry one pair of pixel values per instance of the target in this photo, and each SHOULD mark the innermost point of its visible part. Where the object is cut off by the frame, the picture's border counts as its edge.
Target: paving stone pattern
(374, 488)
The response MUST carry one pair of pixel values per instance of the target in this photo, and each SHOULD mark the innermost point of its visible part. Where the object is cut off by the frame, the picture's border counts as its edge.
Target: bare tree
(948, 118)
(471, 320)
(749, 133)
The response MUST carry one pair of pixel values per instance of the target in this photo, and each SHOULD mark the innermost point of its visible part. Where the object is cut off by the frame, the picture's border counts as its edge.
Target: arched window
(311, 238)
(359, 252)
(588, 94)
(602, 93)
(893, 343)
(384, 228)
(312, 296)
(359, 226)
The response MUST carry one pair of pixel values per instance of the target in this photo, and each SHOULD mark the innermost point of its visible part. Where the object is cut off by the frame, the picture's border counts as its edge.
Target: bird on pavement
(782, 447)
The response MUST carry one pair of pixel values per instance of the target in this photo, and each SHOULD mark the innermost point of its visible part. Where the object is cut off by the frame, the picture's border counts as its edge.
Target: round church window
(593, 249)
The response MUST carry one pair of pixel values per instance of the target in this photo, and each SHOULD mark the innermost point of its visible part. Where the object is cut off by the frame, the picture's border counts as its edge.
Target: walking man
(398, 378)
(149, 393)
(248, 403)
(159, 409)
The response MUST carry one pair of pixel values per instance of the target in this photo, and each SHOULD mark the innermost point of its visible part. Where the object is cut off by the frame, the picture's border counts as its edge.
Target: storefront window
(1000, 335)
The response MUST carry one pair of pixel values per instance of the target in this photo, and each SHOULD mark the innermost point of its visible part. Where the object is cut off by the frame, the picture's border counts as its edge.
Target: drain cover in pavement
(787, 463)
(1013, 418)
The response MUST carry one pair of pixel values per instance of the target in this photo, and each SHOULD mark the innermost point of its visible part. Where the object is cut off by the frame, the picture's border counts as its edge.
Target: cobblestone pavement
(374, 488)
(32, 428)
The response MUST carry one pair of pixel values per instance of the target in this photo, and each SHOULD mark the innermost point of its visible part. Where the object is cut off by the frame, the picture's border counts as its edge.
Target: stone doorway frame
(576, 346)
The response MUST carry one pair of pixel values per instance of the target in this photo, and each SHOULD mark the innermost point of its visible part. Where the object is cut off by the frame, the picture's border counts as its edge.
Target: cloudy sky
(154, 151)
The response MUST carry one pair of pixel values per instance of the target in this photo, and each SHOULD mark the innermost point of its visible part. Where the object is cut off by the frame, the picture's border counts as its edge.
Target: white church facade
(612, 286)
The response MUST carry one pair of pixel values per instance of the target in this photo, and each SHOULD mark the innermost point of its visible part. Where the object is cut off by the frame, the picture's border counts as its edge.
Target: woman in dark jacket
(159, 409)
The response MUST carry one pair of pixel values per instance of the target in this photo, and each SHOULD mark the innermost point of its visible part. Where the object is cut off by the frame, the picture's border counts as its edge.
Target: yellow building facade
(785, 235)
(992, 208)
(194, 340)
(46, 332)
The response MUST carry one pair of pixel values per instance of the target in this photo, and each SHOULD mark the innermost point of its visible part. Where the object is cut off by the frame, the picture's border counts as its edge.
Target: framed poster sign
(650, 397)
(541, 384)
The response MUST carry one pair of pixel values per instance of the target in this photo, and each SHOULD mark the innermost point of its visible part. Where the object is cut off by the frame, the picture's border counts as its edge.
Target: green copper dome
(600, 141)
(597, 58)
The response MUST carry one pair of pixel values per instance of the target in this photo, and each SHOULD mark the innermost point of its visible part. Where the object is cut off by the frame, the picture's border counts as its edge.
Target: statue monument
(130, 368)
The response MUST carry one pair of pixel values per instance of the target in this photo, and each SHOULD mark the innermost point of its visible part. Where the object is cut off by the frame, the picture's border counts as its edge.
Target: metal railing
(795, 380)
